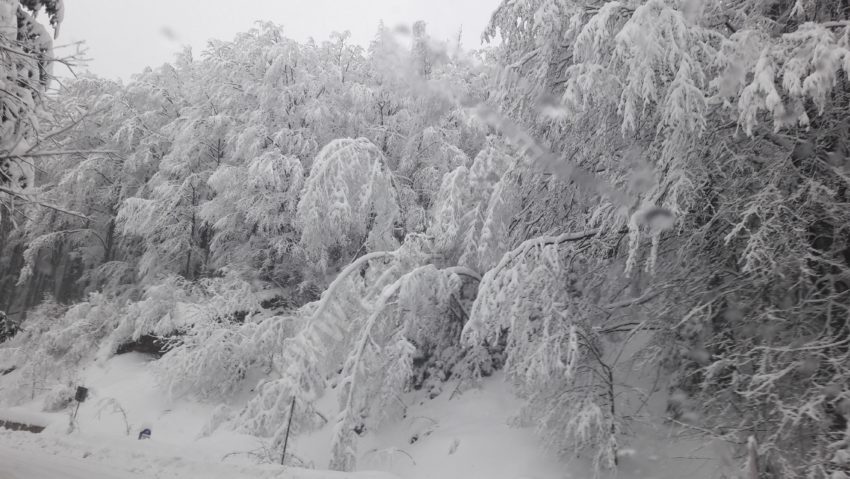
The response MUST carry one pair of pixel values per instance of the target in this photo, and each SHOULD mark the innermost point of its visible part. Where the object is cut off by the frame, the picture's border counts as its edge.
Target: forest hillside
(636, 213)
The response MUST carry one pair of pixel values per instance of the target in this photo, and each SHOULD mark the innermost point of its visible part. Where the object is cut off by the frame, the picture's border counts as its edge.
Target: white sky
(124, 36)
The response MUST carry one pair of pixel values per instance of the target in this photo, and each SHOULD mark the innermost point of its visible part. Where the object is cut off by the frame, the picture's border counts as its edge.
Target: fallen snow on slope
(99, 447)
(466, 436)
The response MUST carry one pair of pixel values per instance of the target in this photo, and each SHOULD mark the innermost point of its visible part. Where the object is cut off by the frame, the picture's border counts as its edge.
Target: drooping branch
(463, 271)
(65, 129)
(539, 242)
(334, 287)
(343, 459)
(28, 199)
(38, 154)
(647, 296)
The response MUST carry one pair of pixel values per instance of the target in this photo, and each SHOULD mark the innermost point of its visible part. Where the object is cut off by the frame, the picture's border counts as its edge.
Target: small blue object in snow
(145, 434)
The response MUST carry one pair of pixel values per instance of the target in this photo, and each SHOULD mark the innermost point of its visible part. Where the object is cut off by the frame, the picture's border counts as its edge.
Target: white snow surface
(100, 448)
(467, 436)
(52, 458)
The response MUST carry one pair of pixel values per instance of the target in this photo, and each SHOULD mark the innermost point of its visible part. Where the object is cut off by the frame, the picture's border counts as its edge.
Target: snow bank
(25, 416)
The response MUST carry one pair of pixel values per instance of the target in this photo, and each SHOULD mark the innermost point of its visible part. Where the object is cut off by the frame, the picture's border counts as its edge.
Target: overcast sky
(124, 36)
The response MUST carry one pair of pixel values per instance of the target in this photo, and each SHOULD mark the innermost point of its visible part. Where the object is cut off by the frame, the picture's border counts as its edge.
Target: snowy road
(16, 464)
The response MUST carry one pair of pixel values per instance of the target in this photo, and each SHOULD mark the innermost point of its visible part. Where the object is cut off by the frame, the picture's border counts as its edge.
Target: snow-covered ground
(468, 436)
(465, 436)
(20, 464)
(23, 457)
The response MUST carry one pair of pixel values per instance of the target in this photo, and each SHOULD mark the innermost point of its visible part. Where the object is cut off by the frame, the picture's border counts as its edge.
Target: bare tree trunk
(110, 241)
(60, 266)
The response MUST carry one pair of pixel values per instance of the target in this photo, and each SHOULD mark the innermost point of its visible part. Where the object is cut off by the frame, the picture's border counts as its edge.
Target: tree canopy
(613, 191)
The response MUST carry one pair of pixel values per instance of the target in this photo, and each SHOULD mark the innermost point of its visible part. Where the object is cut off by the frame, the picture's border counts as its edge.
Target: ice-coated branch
(343, 448)
(528, 245)
(334, 287)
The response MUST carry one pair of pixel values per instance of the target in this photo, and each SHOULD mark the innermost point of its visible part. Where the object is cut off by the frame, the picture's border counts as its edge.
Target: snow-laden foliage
(55, 340)
(26, 65)
(428, 157)
(644, 187)
(469, 207)
(253, 211)
(706, 135)
(349, 203)
(545, 296)
(379, 314)
(305, 359)
(380, 364)
(214, 353)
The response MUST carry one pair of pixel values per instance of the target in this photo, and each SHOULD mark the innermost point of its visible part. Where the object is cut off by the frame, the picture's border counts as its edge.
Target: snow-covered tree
(302, 362)
(214, 353)
(349, 204)
(470, 205)
(26, 56)
(379, 366)
(706, 133)
(253, 213)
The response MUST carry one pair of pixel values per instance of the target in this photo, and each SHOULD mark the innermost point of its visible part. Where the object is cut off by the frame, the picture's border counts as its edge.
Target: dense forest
(605, 190)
